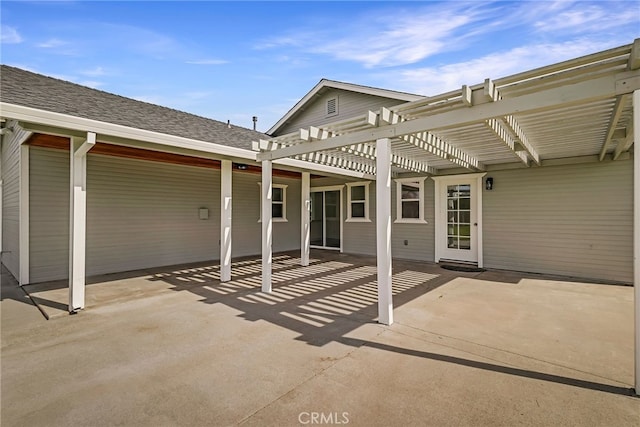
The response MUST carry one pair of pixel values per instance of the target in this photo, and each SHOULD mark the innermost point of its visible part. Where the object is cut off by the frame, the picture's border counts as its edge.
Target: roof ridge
(371, 87)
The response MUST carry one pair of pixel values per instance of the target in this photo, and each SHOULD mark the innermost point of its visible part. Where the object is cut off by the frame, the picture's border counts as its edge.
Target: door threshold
(463, 266)
(446, 261)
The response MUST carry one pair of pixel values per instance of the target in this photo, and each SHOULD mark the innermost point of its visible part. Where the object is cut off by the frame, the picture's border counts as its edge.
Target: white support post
(23, 231)
(305, 219)
(267, 230)
(78, 219)
(225, 221)
(636, 235)
(383, 230)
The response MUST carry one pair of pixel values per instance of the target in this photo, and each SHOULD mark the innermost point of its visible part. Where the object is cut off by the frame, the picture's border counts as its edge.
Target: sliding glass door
(326, 214)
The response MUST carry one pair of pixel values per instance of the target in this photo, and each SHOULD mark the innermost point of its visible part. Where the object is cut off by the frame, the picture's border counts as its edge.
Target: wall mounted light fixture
(488, 184)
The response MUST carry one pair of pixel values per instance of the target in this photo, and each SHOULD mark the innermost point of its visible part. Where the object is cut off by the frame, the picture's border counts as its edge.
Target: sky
(235, 60)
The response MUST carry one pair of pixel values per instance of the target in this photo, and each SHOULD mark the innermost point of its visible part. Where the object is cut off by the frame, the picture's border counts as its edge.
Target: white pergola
(586, 109)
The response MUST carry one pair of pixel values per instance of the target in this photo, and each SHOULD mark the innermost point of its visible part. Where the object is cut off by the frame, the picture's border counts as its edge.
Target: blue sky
(234, 60)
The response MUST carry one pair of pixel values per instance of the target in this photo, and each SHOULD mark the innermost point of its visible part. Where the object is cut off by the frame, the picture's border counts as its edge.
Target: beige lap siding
(140, 214)
(571, 220)
(48, 214)
(144, 214)
(247, 231)
(11, 199)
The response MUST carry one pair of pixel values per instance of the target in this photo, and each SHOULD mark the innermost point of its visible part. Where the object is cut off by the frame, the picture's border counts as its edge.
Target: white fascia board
(48, 118)
(28, 114)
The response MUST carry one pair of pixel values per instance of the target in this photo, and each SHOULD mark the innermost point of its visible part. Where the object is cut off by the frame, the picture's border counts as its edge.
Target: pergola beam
(553, 98)
(316, 157)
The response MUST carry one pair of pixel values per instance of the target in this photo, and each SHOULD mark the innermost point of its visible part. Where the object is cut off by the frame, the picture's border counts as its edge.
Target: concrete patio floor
(174, 346)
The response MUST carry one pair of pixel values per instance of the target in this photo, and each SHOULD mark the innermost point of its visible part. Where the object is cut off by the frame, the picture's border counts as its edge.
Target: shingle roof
(33, 90)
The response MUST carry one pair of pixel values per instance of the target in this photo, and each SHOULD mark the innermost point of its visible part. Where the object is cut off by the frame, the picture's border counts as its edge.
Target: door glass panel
(459, 217)
(332, 210)
(317, 219)
(465, 243)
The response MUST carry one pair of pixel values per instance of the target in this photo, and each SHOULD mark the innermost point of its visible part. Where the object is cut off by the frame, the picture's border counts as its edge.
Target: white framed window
(358, 201)
(332, 107)
(278, 202)
(410, 200)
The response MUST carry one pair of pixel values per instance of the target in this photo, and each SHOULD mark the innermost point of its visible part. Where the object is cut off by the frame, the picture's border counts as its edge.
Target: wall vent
(332, 107)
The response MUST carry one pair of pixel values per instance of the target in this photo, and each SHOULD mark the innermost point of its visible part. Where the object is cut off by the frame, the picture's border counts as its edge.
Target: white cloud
(439, 79)
(387, 38)
(582, 17)
(9, 35)
(52, 44)
(208, 62)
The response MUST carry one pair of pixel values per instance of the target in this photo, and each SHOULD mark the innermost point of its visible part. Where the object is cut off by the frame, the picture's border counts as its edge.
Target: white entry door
(459, 218)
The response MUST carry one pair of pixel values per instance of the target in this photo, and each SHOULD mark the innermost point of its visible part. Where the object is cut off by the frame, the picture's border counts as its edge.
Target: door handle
(475, 223)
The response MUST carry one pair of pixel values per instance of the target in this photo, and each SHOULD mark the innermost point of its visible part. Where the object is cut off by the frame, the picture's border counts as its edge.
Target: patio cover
(577, 110)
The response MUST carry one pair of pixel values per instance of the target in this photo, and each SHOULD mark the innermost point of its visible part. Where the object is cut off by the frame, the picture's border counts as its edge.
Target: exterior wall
(573, 220)
(143, 214)
(360, 237)
(350, 104)
(569, 220)
(11, 199)
(246, 228)
(48, 214)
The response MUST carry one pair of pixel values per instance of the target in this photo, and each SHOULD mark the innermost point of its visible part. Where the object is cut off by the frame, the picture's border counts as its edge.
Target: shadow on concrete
(336, 294)
(525, 373)
(323, 302)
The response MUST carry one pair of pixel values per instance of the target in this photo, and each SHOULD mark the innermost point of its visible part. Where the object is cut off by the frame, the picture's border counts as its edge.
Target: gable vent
(332, 107)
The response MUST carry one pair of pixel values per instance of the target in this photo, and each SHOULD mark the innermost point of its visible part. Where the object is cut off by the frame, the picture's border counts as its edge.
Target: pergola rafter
(366, 150)
(508, 129)
(433, 144)
(618, 108)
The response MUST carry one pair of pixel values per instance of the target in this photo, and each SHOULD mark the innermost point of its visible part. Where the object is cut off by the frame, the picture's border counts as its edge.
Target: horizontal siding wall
(420, 238)
(48, 214)
(350, 104)
(571, 220)
(143, 214)
(360, 237)
(246, 228)
(11, 199)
